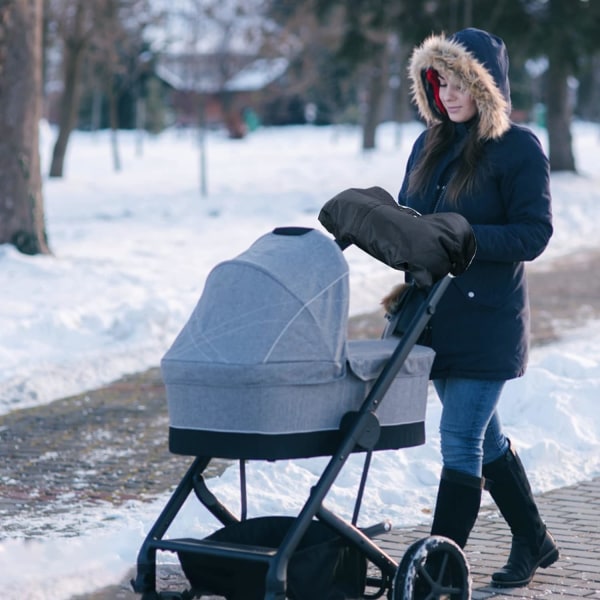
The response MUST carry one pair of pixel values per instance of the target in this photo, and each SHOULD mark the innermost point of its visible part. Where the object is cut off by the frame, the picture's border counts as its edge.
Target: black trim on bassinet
(257, 446)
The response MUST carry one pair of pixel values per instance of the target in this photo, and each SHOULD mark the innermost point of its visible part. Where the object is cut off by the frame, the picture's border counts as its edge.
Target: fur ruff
(392, 300)
(445, 55)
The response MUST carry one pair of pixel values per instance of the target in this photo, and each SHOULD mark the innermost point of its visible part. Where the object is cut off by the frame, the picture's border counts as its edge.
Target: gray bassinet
(263, 369)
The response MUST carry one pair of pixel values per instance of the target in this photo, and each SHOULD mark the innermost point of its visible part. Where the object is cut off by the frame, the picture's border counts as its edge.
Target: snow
(131, 253)
(257, 75)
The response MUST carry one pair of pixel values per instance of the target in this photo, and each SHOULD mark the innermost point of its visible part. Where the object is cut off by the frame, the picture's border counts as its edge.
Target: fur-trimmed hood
(480, 61)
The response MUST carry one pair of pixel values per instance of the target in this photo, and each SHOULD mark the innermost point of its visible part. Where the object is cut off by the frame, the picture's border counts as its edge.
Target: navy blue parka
(481, 327)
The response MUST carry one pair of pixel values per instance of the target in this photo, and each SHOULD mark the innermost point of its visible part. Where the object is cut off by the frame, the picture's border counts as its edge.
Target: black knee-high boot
(457, 505)
(532, 545)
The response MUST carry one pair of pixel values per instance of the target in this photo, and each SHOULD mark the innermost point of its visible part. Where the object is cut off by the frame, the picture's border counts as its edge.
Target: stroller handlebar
(426, 246)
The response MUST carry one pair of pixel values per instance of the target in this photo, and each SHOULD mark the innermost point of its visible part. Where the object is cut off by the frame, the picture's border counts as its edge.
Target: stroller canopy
(265, 316)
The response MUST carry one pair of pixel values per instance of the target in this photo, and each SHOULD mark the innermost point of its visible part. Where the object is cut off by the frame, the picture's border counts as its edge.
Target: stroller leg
(532, 544)
(457, 505)
(145, 581)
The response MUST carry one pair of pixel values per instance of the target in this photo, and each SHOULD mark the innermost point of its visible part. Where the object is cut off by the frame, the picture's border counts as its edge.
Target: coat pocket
(492, 285)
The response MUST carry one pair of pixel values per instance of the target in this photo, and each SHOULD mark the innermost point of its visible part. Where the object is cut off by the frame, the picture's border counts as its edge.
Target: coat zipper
(440, 189)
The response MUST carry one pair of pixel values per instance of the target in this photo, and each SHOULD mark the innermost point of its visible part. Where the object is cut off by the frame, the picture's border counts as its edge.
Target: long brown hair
(438, 140)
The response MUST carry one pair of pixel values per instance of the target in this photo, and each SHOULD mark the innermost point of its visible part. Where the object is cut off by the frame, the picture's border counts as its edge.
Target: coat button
(471, 294)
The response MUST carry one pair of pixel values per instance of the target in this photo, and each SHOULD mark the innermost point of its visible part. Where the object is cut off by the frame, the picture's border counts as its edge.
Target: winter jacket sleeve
(524, 187)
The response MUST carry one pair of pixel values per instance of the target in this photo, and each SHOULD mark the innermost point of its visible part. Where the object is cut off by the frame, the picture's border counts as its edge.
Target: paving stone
(109, 445)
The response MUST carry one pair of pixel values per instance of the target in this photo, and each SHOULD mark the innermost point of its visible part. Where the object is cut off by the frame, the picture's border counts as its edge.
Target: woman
(472, 160)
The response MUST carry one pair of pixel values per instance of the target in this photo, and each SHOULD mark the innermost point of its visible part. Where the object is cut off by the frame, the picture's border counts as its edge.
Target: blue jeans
(470, 429)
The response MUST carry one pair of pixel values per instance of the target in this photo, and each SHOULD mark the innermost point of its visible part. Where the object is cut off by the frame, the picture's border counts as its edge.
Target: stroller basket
(323, 566)
(263, 370)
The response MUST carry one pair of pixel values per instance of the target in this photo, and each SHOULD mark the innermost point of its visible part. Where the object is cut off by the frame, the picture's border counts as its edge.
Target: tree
(373, 42)
(366, 46)
(346, 47)
(116, 55)
(562, 32)
(98, 34)
(567, 31)
(74, 22)
(21, 201)
(316, 76)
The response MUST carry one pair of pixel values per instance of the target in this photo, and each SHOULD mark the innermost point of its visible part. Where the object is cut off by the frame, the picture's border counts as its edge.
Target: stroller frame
(360, 431)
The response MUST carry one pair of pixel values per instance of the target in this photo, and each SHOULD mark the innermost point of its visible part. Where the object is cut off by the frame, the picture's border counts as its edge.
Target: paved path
(110, 445)
(572, 514)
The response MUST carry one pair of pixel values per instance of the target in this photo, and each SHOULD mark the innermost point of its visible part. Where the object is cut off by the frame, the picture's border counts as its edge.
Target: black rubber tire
(433, 568)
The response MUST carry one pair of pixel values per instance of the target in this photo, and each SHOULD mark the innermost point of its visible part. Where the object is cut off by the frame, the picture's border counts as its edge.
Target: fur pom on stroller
(392, 301)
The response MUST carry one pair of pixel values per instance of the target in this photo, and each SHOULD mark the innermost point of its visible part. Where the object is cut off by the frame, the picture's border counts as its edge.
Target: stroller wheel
(433, 568)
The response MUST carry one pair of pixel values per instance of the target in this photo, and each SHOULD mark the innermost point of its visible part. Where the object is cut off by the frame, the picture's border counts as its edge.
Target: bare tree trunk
(75, 46)
(559, 109)
(377, 86)
(404, 110)
(232, 116)
(202, 146)
(140, 124)
(114, 126)
(559, 112)
(21, 200)
(96, 110)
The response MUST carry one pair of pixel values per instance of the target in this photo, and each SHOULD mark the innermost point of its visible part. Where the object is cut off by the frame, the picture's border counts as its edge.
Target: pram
(263, 371)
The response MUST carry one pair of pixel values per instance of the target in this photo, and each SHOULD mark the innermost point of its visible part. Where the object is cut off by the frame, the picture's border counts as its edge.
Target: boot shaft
(457, 505)
(509, 487)
(532, 545)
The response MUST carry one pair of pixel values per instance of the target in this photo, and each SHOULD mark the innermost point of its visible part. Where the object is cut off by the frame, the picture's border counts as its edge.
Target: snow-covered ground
(131, 254)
